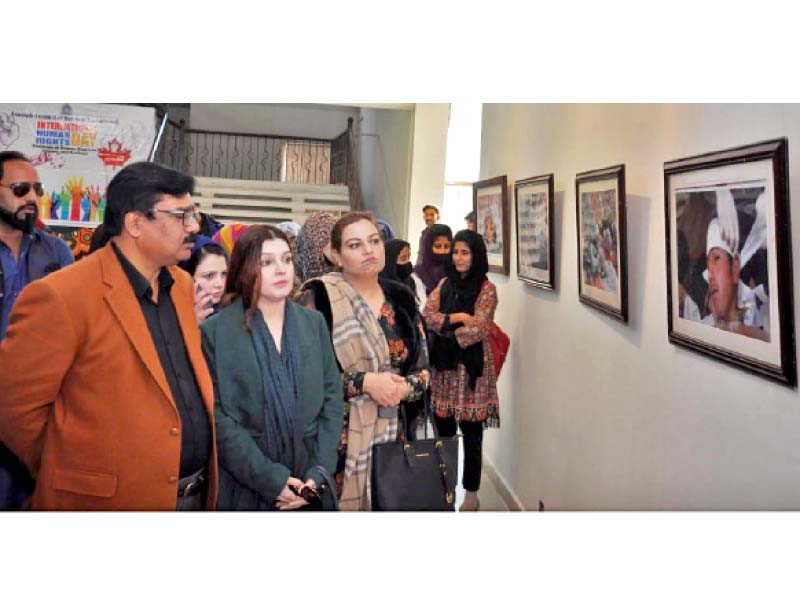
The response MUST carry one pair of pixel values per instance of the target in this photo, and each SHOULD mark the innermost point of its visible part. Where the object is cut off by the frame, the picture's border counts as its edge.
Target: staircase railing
(257, 157)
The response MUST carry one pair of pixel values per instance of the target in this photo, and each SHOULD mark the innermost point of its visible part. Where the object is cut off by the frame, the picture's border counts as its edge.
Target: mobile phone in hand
(308, 494)
(198, 288)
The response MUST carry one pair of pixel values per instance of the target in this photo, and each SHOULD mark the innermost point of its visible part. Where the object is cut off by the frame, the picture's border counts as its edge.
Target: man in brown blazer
(106, 396)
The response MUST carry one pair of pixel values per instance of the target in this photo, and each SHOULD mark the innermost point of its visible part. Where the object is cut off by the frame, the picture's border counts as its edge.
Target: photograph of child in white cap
(722, 258)
(729, 257)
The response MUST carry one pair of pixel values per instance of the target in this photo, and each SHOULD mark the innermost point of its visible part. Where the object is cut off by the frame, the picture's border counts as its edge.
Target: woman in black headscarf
(399, 268)
(460, 315)
(436, 246)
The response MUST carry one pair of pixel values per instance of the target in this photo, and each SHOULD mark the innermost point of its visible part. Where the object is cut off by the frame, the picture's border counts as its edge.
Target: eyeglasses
(187, 217)
(21, 188)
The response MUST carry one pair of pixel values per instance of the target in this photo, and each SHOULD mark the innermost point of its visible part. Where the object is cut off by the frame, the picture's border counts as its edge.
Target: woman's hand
(203, 304)
(387, 389)
(287, 499)
(464, 318)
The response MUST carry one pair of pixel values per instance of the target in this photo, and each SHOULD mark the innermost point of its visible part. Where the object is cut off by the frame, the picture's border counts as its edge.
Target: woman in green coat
(278, 400)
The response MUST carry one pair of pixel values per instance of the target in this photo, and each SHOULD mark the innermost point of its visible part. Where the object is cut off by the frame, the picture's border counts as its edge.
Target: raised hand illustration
(9, 130)
(55, 206)
(75, 187)
(66, 202)
(94, 200)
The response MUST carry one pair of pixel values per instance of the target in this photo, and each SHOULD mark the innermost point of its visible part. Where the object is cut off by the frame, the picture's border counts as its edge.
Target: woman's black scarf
(392, 270)
(459, 294)
(406, 316)
(431, 267)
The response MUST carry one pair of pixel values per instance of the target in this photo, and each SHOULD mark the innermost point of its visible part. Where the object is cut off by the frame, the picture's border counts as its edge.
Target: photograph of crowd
(602, 260)
(533, 202)
(533, 239)
(599, 258)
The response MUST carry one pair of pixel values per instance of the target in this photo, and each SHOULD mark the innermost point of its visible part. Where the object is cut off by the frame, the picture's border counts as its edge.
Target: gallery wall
(597, 414)
(384, 146)
(427, 166)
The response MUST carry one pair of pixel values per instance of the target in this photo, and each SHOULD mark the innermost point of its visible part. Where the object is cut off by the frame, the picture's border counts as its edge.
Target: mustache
(26, 205)
(190, 239)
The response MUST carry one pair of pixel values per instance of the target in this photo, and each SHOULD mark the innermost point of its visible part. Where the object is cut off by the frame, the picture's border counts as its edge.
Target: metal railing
(255, 157)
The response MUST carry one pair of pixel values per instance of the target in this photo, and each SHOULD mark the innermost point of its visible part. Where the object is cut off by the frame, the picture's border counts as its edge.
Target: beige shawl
(360, 345)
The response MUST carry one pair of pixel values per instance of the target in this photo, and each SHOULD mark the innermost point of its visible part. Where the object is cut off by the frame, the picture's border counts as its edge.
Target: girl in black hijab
(460, 315)
(399, 268)
(393, 270)
(436, 248)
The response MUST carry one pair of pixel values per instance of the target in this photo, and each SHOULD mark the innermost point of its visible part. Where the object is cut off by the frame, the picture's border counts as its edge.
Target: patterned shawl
(360, 345)
(313, 237)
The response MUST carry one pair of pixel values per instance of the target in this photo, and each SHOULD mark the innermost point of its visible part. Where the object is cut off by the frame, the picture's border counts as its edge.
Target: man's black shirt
(162, 321)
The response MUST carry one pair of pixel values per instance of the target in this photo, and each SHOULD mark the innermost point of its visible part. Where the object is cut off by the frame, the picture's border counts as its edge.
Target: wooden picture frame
(602, 240)
(729, 257)
(533, 209)
(490, 203)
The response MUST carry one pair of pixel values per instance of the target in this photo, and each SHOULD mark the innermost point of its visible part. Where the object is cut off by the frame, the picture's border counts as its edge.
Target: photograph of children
(490, 220)
(602, 258)
(723, 278)
(533, 202)
(600, 255)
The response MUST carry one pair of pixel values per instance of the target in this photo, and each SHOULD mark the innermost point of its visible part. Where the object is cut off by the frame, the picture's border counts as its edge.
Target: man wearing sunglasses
(26, 254)
(106, 397)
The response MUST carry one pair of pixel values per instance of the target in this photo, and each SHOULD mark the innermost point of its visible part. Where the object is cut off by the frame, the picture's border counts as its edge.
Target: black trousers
(473, 443)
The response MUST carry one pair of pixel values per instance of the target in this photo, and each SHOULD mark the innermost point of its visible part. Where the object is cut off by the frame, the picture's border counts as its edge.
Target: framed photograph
(490, 203)
(602, 247)
(533, 203)
(729, 257)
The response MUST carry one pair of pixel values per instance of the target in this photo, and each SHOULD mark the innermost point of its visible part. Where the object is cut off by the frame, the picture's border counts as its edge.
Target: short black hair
(100, 238)
(470, 216)
(137, 188)
(11, 155)
(427, 206)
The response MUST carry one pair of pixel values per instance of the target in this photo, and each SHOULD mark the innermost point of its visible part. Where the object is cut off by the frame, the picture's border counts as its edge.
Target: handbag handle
(403, 418)
(326, 476)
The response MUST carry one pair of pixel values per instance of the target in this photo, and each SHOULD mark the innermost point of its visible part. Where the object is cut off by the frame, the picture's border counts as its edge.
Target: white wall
(178, 112)
(427, 165)
(596, 414)
(384, 149)
(302, 120)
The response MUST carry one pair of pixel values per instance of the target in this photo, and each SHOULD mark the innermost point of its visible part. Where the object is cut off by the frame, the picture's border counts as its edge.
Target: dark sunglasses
(21, 188)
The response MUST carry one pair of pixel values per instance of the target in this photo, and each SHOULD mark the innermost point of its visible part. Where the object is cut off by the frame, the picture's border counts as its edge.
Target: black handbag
(415, 475)
(327, 491)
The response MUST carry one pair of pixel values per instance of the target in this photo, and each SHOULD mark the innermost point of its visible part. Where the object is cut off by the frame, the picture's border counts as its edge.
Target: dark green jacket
(248, 480)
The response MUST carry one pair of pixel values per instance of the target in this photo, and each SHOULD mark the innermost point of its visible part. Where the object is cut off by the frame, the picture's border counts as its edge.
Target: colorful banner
(78, 237)
(77, 149)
